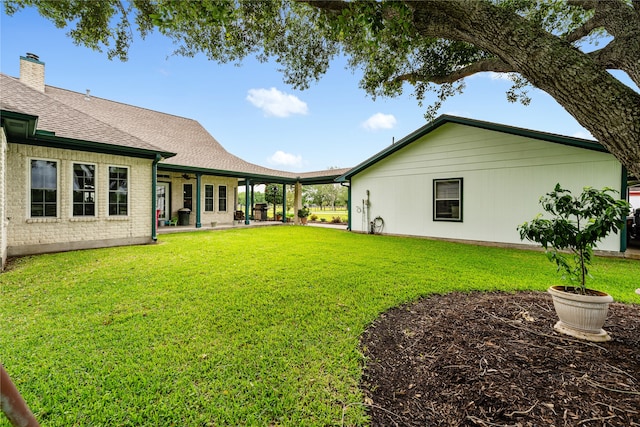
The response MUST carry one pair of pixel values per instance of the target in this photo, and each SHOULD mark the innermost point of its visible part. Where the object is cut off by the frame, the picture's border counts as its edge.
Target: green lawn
(237, 327)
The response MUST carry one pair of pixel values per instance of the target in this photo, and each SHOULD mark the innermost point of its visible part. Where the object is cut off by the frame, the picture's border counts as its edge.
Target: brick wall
(3, 216)
(176, 199)
(27, 235)
(32, 73)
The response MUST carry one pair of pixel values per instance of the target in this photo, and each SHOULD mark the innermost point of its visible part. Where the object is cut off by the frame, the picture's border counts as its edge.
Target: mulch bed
(493, 359)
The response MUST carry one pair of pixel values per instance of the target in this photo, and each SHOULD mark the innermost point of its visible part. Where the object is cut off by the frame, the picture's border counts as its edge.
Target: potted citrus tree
(303, 214)
(574, 226)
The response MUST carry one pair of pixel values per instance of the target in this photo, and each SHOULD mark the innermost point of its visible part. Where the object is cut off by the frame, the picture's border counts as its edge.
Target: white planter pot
(581, 316)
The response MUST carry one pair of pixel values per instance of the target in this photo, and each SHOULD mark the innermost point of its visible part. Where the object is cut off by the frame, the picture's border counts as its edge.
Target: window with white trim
(118, 190)
(208, 198)
(222, 198)
(44, 188)
(84, 189)
(447, 199)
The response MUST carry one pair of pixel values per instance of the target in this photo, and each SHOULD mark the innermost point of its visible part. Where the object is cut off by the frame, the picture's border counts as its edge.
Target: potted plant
(576, 224)
(303, 214)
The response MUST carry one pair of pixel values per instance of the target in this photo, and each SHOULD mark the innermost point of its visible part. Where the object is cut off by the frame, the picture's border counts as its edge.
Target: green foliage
(577, 224)
(330, 195)
(273, 194)
(379, 38)
(96, 24)
(232, 327)
(304, 212)
(258, 197)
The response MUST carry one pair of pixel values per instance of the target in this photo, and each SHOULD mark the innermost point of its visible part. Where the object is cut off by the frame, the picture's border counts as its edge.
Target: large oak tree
(429, 45)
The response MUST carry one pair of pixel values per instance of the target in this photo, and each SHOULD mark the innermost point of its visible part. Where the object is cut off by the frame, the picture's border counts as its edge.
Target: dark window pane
(37, 196)
(50, 210)
(50, 195)
(37, 210)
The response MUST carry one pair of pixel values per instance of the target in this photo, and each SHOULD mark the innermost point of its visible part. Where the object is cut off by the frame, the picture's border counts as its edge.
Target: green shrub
(577, 223)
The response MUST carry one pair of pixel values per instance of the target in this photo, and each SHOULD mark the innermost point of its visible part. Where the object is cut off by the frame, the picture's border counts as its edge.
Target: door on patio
(163, 202)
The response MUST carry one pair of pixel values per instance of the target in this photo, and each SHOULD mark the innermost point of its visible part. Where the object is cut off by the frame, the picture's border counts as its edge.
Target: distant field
(328, 215)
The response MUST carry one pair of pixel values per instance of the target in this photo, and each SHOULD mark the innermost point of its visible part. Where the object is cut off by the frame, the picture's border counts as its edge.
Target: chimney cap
(33, 56)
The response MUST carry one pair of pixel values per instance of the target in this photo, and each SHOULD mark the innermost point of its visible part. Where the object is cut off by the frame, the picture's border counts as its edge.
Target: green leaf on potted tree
(575, 225)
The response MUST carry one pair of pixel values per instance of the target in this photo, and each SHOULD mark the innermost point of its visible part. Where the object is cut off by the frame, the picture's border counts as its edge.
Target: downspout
(247, 200)
(154, 197)
(284, 203)
(624, 194)
(198, 202)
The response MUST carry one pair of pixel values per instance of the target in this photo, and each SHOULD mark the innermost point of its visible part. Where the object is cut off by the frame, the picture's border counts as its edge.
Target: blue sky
(249, 109)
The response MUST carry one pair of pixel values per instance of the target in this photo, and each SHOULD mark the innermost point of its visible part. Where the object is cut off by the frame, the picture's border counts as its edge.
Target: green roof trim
(253, 177)
(444, 119)
(20, 124)
(90, 146)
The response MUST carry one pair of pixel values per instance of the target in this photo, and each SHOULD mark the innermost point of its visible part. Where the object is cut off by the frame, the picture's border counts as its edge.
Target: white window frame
(452, 217)
(29, 187)
(109, 190)
(95, 189)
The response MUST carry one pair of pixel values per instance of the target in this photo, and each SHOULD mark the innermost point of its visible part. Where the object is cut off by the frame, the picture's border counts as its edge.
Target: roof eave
(10, 120)
(444, 119)
(44, 140)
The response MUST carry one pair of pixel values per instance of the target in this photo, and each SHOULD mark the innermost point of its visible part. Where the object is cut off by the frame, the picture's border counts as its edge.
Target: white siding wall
(504, 177)
(27, 235)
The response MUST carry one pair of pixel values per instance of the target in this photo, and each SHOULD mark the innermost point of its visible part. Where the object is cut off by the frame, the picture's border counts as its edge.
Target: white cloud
(275, 103)
(499, 76)
(280, 158)
(380, 121)
(583, 134)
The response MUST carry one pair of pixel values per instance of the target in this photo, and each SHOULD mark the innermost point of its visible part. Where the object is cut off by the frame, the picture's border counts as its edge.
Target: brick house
(78, 171)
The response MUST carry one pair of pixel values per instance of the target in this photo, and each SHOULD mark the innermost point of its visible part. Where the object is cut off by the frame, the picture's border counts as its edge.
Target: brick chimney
(32, 71)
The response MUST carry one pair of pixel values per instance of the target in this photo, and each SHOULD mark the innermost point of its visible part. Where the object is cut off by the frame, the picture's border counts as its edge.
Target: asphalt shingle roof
(61, 119)
(79, 116)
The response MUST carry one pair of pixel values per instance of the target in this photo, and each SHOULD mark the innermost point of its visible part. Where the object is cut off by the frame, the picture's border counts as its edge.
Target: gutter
(154, 198)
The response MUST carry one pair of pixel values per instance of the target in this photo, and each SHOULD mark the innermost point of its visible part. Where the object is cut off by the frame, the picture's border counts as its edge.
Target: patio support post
(284, 202)
(198, 207)
(297, 202)
(349, 215)
(247, 201)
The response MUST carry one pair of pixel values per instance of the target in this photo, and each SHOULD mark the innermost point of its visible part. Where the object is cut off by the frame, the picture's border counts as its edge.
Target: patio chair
(173, 221)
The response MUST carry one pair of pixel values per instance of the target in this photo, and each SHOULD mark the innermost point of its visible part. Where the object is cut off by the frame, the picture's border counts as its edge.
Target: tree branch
(583, 30)
(494, 64)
